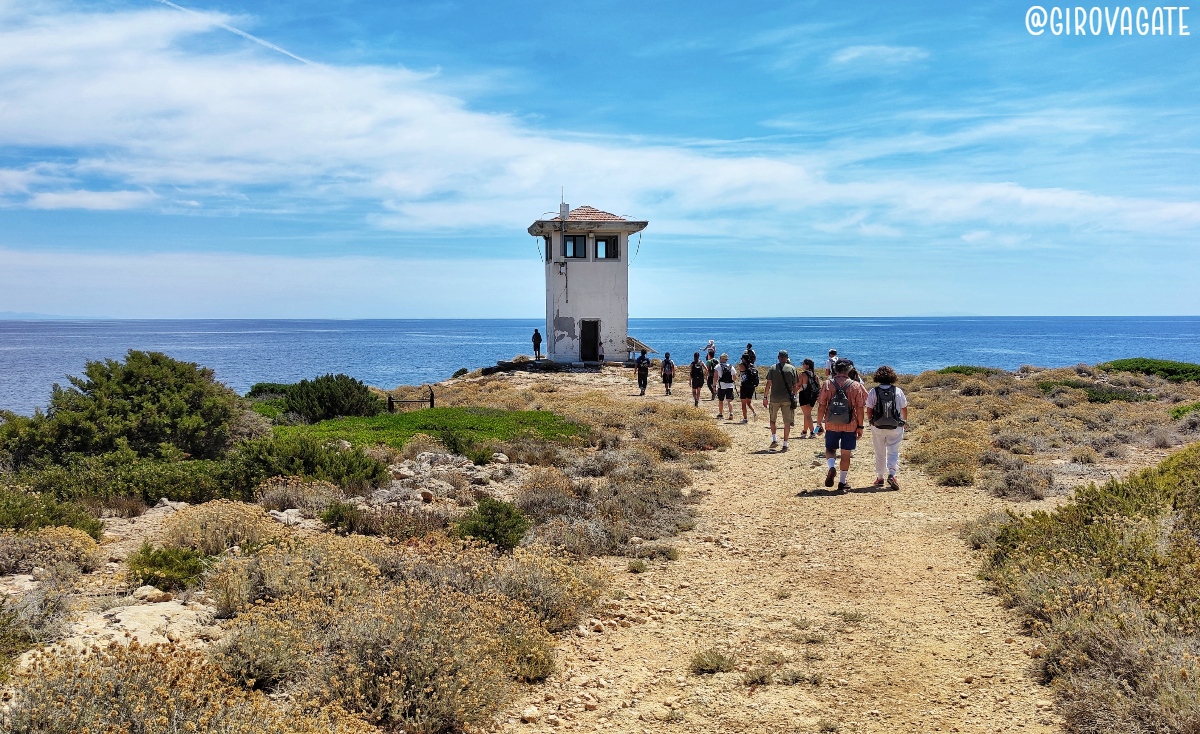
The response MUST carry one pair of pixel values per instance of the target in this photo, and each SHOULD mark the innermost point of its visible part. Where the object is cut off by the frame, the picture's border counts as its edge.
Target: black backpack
(752, 376)
(885, 414)
(812, 388)
(697, 370)
(840, 411)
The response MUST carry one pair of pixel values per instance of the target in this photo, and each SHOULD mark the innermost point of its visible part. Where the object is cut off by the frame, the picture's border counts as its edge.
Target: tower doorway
(589, 342)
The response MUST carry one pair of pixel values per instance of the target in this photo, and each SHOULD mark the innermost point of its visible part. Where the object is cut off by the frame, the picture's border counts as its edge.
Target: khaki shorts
(789, 415)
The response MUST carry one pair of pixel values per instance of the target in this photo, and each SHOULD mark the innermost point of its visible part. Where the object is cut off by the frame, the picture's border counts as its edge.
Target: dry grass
(215, 527)
(713, 660)
(311, 497)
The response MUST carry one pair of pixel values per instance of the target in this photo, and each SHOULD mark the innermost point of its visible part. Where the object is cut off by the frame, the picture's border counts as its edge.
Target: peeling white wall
(590, 289)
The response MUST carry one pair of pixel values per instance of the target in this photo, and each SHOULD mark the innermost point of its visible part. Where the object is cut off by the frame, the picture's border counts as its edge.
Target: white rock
(531, 715)
(151, 594)
(500, 458)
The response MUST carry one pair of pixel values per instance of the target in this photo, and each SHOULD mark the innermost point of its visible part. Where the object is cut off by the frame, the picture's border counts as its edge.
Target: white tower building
(587, 283)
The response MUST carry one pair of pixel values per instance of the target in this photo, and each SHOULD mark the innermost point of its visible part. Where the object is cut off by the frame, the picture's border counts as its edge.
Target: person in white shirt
(887, 412)
(829, 363)
(726, 379)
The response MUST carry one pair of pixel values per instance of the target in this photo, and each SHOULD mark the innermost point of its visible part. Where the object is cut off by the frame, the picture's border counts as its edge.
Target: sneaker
(878, 482)
(783, 448)
(774, 445)
(744, 421)
(892, 482)
(842, 487)
(829, 477)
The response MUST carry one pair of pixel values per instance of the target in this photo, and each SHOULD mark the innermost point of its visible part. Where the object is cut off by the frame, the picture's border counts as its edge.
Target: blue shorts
(840, 439)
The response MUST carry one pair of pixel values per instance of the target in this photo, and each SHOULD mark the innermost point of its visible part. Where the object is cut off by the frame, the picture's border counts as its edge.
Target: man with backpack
(711, 364)
(699, 375)
(782, 385)
(888, 409)
(668, 372)
(748, 377)
(810, 389)
(840, 408)
(642, 365)
(726, 378)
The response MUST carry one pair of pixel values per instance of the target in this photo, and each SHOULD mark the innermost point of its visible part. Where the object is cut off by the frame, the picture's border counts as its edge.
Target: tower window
(607, 248)
(575, 245)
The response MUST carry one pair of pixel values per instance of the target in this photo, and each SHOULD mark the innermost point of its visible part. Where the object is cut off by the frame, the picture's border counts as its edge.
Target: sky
(240, 159)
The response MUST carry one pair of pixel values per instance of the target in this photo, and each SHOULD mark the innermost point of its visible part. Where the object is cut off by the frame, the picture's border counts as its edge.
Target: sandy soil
(773, 561)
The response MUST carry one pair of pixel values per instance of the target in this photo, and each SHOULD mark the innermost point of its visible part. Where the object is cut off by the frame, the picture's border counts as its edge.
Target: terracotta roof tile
(590, 214)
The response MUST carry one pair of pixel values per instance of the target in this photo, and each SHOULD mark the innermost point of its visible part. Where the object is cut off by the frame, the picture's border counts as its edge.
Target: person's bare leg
(808, 421)
(787, 431)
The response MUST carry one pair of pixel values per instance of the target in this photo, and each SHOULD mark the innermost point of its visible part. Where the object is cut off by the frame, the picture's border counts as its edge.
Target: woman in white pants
(887, 408)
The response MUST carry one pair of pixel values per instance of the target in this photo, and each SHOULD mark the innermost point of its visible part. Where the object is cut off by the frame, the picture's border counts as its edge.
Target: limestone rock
(531, 715)
(151, 595)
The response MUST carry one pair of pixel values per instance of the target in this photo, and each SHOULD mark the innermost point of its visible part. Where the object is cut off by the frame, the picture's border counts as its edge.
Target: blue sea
(36, 354)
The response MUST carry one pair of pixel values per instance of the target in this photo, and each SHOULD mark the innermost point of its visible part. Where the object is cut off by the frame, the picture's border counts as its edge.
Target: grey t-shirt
(783, 382)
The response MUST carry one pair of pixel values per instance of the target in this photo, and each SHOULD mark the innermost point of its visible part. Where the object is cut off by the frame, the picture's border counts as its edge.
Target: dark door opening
(589, 345)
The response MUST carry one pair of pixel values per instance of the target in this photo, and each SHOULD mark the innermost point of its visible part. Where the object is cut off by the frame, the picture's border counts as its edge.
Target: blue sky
(793, 159)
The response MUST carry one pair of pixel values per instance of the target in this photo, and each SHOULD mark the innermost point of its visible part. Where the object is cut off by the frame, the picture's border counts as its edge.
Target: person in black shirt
(537, 344)
(642, 365)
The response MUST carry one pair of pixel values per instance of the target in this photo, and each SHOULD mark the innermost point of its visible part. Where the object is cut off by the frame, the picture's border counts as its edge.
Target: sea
(34, 355)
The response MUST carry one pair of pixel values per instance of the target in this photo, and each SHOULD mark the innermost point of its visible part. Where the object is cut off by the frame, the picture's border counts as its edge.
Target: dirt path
(765, 575)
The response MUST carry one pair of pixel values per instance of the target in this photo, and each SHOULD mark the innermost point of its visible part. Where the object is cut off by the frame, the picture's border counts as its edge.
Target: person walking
(747, 386)
(887, 407)
(668, 372)
(829, 363)
(699, 376)
(779, 396)
(726, 379)
(537, 344)
(840, 408)
(642, 365)
(711, 364)
(810, 389)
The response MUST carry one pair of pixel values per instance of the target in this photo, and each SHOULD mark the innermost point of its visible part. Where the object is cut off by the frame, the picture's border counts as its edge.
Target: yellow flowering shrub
(46, 547)
(214, 527)
(151, 690)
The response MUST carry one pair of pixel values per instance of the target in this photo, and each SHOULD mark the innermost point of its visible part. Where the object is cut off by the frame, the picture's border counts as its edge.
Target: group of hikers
(844, 405)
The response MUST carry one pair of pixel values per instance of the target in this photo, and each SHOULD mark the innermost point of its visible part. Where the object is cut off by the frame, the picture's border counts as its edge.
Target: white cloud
(94, 200)
(165, 126)
(878, 55)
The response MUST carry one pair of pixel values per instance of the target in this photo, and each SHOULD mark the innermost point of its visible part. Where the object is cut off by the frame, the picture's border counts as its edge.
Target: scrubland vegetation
(1011, 432)
(397, 617)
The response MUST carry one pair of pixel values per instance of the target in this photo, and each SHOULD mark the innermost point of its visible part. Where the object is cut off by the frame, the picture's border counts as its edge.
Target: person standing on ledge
(750, 353)
(642, 365)
(782, 384)
(537, 344)
(840, 408)
(829, 363)
(668, 372)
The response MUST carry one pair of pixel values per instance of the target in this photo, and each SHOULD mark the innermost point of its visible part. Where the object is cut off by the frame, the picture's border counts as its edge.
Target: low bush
(47, 547)
(707, 662)
(1164, 368)
(1109, 581)
(966, 369)
(395, 523)
(494, 521)
(166, 568)
(1180, 411)
(309, 496)
(301, 455)
(27, 511)
(213, 527)
(1025, 483)
(147, 690)
(1096, 392)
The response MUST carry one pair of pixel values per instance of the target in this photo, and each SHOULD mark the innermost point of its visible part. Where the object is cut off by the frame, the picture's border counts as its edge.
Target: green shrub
(267, 390)
(270, 409)
(23, 511)
(1164, 368)
(461, 371)
(1096, 392)
(123, 474)
(399, 524)
(1182, 410)
(285, 455)
(967, 369)
(166, 568)
(496, 522)
(150, 404)
(332, 396)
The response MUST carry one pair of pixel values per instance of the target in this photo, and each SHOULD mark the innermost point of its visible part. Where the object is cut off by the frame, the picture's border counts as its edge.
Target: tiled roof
(590, 214)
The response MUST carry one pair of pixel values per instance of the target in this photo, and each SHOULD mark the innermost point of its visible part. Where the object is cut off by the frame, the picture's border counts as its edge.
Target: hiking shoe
(842, 487)
(774, 445)
(892, 482)
(783, 448)
(878, 482)
(744, 421)
(829, 477)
